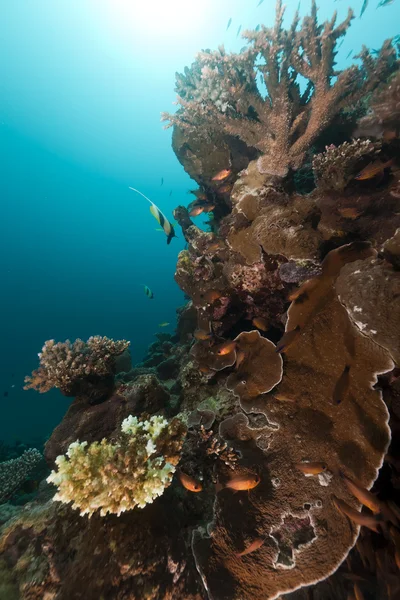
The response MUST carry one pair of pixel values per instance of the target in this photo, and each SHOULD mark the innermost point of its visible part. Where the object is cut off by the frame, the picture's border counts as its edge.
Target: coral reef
(115, 477)
(384, 112)
(14, 472)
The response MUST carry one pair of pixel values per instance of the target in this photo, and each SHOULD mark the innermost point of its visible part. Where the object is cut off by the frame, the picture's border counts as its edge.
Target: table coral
(64, 365)
(115, 477)
(220, 90)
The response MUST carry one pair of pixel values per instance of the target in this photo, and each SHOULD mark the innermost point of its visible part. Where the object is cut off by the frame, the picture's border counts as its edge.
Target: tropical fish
(261, 1)
(238, 31)
(225, 189)
(311, 468)
(148, 292)
(284, 397)
(253, 546)
(301, 293)
(163, 324)
(370, 521)
(240, 356)
(211, 296)
(240, 483)
(208, 207)
(196, 211)
(158, 215)
(373, 169)
(189, 483)
(384, 3)
(221, 175)
(260, 323)
(363, 8)
(349, 53)
(202, 335)
(170, 194)
(215, 246)
(206, 370)
(342, 386)
(287, 339)
(229, 24)
(226, 348)
(162, 180)
(357, 592)
(258, 28)
(364, 496)
(350, 212)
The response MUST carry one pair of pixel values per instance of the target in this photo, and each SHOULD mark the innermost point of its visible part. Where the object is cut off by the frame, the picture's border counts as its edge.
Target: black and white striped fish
(161, 218)
(148, 292)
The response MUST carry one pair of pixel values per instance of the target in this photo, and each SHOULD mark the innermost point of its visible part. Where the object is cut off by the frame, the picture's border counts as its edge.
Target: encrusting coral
(220, 91)
(14, 472)
(64, 365)
(115, 477)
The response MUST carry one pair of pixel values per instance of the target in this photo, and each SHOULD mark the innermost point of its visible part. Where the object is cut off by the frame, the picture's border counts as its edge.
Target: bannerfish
(364, 6)
(222, 175)
(342, 386)
(238, 31)
(373, 169)
(160, 217)
(148, 292)
(364, 520)
(163, 324)
(229, 24)
(288, 338)
(240, 483)
(189, 483)
(260, 323)
(226, 348)
(364, 496)
(311, 468)
(253, 546)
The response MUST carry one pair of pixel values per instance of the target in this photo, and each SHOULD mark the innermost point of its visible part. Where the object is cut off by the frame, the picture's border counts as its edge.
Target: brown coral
(384, 115)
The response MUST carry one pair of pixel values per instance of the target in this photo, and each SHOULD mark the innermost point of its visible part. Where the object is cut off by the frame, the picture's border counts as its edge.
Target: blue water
(82, 86)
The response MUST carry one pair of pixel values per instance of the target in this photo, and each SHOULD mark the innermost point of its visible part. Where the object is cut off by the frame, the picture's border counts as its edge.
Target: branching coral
(14, 472)
(63, 364)
(115, 477)
(220, 90)
(334, 168)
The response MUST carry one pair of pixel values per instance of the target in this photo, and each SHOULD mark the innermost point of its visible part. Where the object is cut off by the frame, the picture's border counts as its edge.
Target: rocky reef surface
(235, 461)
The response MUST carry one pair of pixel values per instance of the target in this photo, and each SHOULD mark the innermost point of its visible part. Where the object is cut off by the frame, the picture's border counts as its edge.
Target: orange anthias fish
(196, 211)
(240, 356)
(373, 169)
(226, 348)
(311, 468)
(202, 335)
(370, 521)
(215, 246)
(364, 496)
(350, 212)
(253, 546)
(211, 296)
(260, 323)
(189, 483)
(288, 338)
(222, 175)
(225, 189)
(240, 483)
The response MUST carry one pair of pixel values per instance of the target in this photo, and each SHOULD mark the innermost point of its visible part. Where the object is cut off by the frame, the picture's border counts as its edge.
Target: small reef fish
(350, 213)
(370, 521)
(159, 216)
(240, 483)
(196, 211)
(363, 8)
(384, 3)
(240, 356)
(342, 386)
(189, 483)
(208, 207)
(202, 335)
(206, 370)
(229, 24)
(222, 175)
(258, 28)
(349, 54)
(163, 324)
(225, 189)
(211, 296)
(226, 348)
(357, 592)
(170, 194)
(259, 4)
(162, 180)
(148, 292)
(260, 323)
(301, 293)
(253, 546)
(288, 338)
(373, 169)
(215, 246)
(238, 31)
(364, 496)
(311, 468)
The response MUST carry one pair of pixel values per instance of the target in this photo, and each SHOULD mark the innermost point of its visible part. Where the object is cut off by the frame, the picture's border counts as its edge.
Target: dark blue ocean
(82, 86)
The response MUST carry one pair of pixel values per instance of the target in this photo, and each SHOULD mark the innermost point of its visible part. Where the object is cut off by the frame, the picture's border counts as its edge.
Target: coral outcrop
(14, 472)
